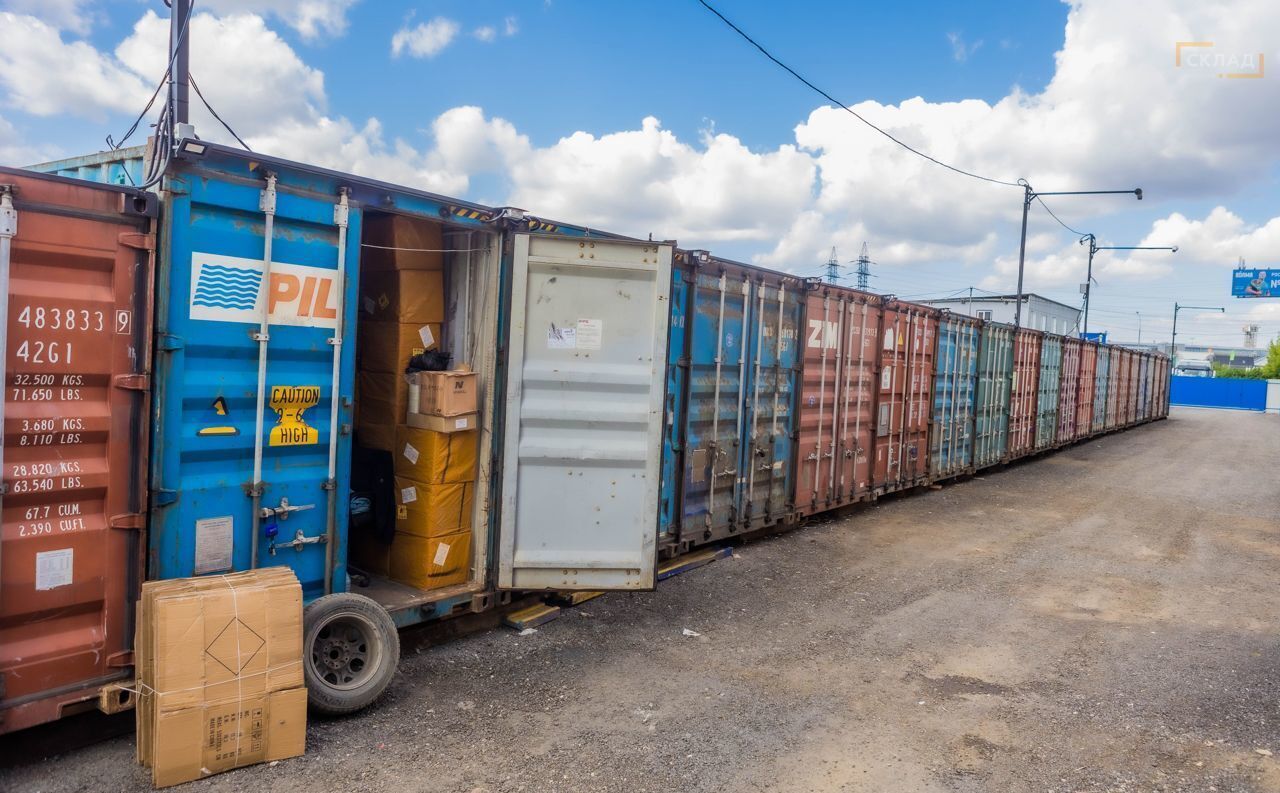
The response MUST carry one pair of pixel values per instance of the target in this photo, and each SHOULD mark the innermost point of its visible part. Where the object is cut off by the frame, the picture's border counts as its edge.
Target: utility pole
(1029, 195)
(1173, 343)
(1139, 313)
(833, 268)
(864, 268)
(1094, 247)
(180, 51)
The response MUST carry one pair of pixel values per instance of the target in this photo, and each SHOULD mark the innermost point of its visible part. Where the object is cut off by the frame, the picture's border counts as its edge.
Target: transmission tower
(833, 268)
(864, 268)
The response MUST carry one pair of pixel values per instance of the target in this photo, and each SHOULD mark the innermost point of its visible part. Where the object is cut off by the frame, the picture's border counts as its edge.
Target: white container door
(583, 445)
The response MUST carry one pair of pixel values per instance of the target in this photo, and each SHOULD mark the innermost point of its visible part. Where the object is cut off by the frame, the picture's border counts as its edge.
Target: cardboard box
(425, 510)
(384, 402)
(431, 562)
(446, 393)
(399, 231)
(464, 423)
(435, 457)
(388, 346)
(219, 665)
(403, 296)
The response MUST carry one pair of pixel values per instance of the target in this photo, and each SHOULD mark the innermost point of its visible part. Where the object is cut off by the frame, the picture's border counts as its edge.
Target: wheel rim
(345, 651)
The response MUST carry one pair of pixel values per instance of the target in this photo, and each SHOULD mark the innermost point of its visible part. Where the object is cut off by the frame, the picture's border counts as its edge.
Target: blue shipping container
(995, 372)
(951, 433)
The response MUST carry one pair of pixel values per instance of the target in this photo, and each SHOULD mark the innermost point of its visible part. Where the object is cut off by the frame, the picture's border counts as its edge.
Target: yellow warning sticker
(289, 402)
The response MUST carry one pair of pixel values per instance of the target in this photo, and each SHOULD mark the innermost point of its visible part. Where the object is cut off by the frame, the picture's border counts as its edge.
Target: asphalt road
(1101, 619)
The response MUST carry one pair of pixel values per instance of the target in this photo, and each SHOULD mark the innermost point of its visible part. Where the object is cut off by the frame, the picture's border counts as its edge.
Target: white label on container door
(590, 333)
(410, 454)
(886, 378)
(408, 495)
(559, 338)
(214, 541)
(428, 340)
(53, 568)
(442, 554)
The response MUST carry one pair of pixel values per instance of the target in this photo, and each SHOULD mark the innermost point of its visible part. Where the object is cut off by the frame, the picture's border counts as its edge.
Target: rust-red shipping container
(1069, 390)
(78, 264)
(1024, 392)
(904, 401)
(1128, 388)
(1162, 387)
(1087, 390)
(837, 420)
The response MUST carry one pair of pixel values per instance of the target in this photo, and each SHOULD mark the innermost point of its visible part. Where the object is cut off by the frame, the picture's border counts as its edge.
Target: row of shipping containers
(181, 399)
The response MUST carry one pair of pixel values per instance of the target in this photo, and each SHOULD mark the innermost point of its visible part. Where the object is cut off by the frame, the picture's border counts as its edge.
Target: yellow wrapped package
(435, 457)
(431, 562)
(425, 510)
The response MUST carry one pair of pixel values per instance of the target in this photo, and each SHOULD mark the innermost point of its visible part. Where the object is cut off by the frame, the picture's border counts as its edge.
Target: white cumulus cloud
(425, 40)
(312, 19)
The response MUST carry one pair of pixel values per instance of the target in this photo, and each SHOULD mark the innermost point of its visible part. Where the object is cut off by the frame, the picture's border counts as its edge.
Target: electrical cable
(845, 107)
(1055, 217)
(164, 79)
(207, 106)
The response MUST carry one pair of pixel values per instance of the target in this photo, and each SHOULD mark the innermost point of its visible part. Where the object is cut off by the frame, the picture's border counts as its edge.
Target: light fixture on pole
(1094, 247)
(1029, 195)
(1173, 343)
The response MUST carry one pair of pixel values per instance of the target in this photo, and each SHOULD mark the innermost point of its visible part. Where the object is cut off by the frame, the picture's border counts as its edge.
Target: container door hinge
(142, 242)
(163, 497)
(167, 342)
(120, 659)
(132, 382)
(129, 521)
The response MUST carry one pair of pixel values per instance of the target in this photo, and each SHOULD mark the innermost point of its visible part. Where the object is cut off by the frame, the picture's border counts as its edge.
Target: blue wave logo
(227, 287)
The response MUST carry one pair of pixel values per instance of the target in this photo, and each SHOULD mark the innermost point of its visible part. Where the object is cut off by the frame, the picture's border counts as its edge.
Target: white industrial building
(1038, 312)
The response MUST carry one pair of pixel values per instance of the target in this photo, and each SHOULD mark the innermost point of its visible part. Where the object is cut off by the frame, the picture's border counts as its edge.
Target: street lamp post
(1094, 247)
(1139, 313)
(1029, 195)
(1173, 343)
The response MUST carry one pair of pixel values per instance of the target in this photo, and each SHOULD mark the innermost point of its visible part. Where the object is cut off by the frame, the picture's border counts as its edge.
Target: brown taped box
(431, 562)
(388, 346)
(463, 423)
(446, 393)
(435, 457)
(432, 510)
(219, 666)
(384, 402)
(403, 296)
(398, 231)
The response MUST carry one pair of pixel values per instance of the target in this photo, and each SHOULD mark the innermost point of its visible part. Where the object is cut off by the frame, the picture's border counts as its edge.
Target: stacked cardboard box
(435, 481)
(219, 665)
(401, 315)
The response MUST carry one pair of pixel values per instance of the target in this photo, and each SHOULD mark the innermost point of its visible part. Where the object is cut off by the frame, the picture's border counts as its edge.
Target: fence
(1221, 392)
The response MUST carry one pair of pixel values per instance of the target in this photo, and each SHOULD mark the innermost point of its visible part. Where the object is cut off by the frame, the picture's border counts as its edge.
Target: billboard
(1255, 283)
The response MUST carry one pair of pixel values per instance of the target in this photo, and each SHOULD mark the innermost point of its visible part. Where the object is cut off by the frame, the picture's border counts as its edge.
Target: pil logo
(230, 289)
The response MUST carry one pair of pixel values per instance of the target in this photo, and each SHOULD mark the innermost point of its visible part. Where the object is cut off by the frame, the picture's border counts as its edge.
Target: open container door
(584, 414)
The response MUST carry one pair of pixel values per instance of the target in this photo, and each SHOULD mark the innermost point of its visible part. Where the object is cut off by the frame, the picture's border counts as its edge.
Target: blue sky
(545, 104)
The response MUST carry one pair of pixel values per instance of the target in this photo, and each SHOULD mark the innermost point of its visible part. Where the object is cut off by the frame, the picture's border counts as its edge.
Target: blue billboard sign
(1101, 338)
(1255, 283)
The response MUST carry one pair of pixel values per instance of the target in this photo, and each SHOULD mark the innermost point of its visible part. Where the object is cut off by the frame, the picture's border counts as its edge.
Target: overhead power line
(845, 107)
(214, 113)
(1055, 217)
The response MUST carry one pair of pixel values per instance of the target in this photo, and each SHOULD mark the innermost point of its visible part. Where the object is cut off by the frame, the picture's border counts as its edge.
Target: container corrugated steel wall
(1068, 389)
(1102, 382)
(836, 406)
(951, 434)
(740, 330)
(1164, 384)
(1115, 388)
(76, 396)
(1050, 384)
(120, 167)
(995, 368)
(905, 400)
(1087, 389)
(1024, 392)
(1146, 373)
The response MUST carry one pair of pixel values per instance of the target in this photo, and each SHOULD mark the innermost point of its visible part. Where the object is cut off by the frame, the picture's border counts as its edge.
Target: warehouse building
(1038, 312)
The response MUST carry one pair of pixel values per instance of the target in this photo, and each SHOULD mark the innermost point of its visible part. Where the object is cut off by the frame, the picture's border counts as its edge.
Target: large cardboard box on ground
(431, 562)
(435, 457)
(425, 510)
(384, 402)
(388, 346)
(398, 231)
(403, 296)
(219, 665)
(450, 393)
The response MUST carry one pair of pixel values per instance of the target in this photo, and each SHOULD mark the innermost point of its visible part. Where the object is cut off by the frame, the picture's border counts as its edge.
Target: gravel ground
(1102, 619)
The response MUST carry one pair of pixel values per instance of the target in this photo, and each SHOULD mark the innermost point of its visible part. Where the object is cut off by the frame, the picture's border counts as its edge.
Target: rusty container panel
(904, 395)
(1069, 389)
(1101, 386)
(836, 414)
(955, 387)
(1115, 388)
(1087, 389)
(1145, 388)
(995, 370)
(1131, 401)
(76, 368)
(1162, 387)
(1024, 389)
(1050, 384)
